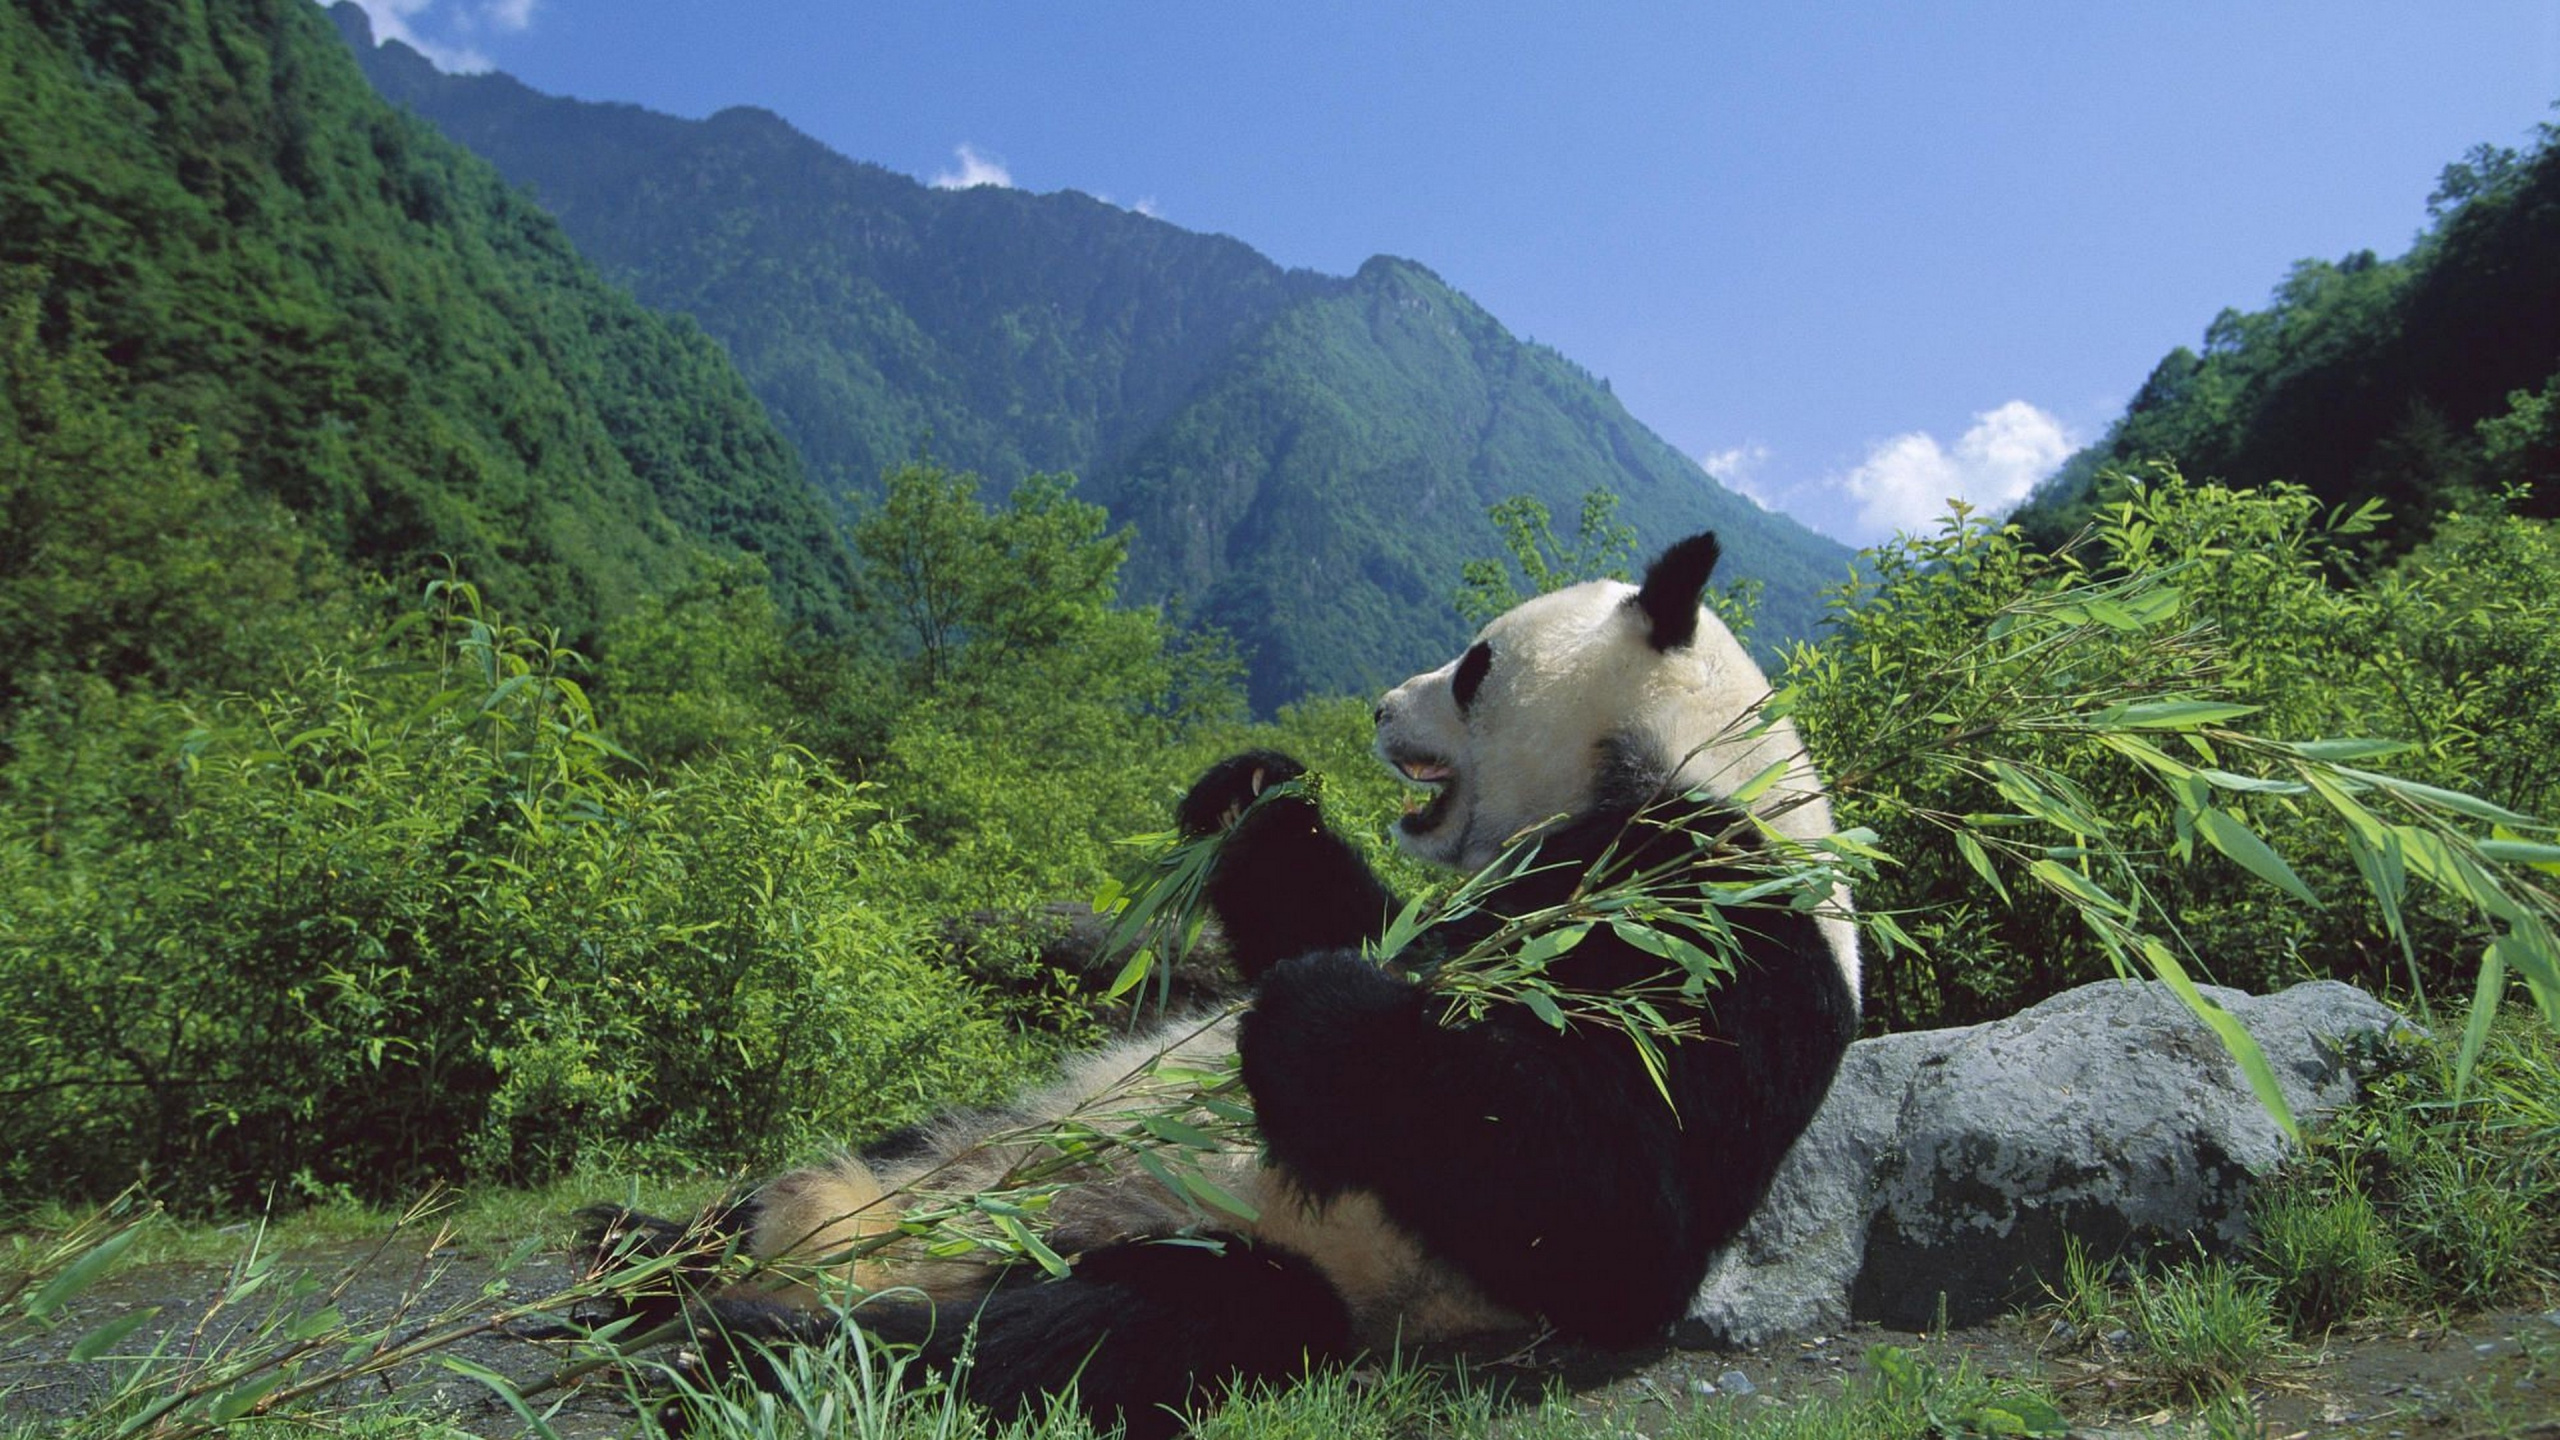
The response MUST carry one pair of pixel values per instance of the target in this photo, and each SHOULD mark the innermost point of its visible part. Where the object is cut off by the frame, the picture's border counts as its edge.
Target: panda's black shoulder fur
(1544, 1165)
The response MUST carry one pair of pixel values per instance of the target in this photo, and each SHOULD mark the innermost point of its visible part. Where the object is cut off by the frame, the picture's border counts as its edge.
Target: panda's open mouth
(1424, 815)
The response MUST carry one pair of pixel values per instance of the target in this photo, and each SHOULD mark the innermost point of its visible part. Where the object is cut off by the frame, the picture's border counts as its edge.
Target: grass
(2419, 1199)
(1898, 1396)
(2207, 1330)
(2199, 1331)
(492, 1218)
(2411, 1207)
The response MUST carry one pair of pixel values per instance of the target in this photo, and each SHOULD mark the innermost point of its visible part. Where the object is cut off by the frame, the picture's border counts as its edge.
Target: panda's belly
(1396, 1293)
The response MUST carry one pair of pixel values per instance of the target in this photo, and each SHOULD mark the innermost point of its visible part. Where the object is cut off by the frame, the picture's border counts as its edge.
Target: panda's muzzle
(1420, 768)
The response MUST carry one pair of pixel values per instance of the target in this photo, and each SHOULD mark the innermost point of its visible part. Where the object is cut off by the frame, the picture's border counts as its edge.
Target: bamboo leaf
(2146, 753)
(2471, 805)
(2169, 714)
(2078, 887)
(1542, 1005)
(2254, 784)
(106, 1337)
(2228, 835)
(80, 1274)
(1177, 1132)
(1548, 944)
(240, 1399)
(2235, 1038)
(2490, 988)
(1974, 855)
(1212, 1193)
(1401, 930)
(1758, 785)
(1032, 1245)
(2523, 852)
(2336, 750)
(2530, 952)
(1643, 937)
(1140, 961)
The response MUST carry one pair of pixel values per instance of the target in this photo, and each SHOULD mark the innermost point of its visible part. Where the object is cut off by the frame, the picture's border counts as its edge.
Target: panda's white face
(1558, 696)
(1509, 734)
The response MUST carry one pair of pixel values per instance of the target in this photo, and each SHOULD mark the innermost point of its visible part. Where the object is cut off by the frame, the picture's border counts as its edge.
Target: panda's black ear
(1672, 586)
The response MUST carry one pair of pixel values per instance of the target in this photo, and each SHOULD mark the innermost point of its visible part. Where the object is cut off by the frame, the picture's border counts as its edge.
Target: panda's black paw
(1218, 797)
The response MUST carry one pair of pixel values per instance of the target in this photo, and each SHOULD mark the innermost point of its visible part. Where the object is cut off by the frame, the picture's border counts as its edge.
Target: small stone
(2064, 1332)
(1702, 1387)
(2119, 1337)
(1737, 1382)
(2485, 1347)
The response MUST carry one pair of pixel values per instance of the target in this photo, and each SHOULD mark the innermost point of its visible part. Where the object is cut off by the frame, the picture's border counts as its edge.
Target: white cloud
(1738, 470)
(975, 169)
(1905, 482)
(401, 20)
(1147, 206)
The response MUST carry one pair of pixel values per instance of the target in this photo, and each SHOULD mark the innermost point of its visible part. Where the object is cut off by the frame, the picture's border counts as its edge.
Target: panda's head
(1592, 695)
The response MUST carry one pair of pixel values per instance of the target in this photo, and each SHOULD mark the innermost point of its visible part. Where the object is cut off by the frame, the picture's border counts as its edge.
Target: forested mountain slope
(1306, 458)
(351, 314)
(2428, 382)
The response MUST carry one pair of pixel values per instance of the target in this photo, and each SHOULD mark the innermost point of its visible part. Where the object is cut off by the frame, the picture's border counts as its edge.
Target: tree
(1603, 546)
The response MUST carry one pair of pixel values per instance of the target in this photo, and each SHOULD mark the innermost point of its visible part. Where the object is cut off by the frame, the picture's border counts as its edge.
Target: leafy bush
(2448, 657)
(410, 915)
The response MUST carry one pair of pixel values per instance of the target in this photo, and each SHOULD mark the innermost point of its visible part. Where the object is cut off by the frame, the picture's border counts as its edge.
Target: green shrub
(2451, 654)
(409, 915)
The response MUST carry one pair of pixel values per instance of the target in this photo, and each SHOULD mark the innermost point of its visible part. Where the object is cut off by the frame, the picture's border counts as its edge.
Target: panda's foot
(1221, 796)
(614, 1242)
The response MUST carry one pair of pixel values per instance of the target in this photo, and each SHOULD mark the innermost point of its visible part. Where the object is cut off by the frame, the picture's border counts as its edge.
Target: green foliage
(1602, 547)
(2414, 381)
(2329, 1259)
(277, 277)
(408, 915)
(2428, 1193)
(2202, 1328)
(704, 666)
(2206, 1328)
(1037, 713)
(2439, 665)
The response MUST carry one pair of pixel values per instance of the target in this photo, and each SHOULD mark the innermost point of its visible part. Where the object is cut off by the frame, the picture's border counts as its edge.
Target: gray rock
(1954, 1162)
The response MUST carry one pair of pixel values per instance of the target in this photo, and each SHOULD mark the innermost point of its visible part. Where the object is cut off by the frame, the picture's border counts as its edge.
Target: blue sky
(1852, 258)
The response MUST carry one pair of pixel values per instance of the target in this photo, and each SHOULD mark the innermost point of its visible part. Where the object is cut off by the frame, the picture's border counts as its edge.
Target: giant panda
(1420, 1177)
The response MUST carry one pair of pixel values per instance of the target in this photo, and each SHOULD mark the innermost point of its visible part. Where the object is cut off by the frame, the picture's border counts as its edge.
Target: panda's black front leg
(1328, 1050)
(1283, 884)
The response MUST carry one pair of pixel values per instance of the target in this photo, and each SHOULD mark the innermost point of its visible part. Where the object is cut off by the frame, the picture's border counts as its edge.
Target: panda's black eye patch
(1471, 672)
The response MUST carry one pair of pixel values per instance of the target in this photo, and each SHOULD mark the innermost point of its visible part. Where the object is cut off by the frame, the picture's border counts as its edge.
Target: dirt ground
(2495, 1375)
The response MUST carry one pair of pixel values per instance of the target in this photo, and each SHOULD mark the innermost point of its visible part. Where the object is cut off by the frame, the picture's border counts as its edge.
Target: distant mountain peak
(1307, 459)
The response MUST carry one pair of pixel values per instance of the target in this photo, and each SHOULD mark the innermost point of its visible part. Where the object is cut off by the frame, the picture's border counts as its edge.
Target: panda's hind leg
(1135, 1332)
(820, 1224)
(614, 1238)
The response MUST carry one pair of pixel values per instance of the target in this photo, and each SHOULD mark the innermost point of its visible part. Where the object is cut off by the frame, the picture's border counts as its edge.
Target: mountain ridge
(1199, 390)
(358, 318)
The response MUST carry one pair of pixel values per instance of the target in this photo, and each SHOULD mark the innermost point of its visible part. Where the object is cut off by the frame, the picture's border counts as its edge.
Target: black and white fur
(1420, 1179)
